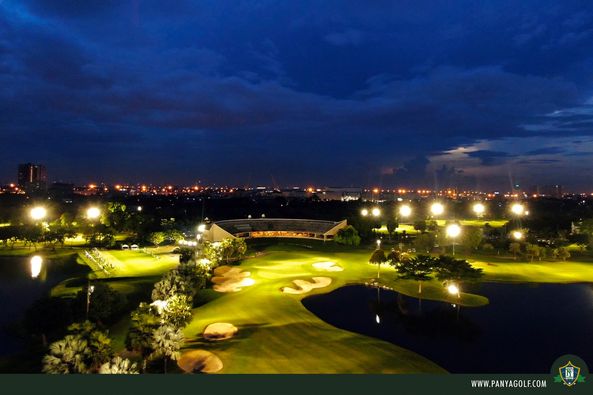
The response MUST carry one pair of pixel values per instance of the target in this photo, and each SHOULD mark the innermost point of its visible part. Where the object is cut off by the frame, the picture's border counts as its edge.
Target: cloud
(345, 38)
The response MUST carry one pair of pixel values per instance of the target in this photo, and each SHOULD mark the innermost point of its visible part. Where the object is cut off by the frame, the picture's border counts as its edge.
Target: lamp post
(89, 291)
(93, 213)
(453, 231)
(479, 209)
(38, 213)
(437, 209)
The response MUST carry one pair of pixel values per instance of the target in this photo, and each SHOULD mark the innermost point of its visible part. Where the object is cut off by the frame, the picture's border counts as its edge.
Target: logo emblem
(569, 374)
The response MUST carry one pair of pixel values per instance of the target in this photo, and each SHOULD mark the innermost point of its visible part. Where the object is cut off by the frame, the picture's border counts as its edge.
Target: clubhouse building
(273, 227)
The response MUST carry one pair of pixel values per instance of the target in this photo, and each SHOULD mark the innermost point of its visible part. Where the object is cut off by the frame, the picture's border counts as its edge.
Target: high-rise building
(32, 178)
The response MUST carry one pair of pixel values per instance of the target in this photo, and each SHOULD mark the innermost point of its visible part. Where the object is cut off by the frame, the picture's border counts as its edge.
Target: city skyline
(453, 95)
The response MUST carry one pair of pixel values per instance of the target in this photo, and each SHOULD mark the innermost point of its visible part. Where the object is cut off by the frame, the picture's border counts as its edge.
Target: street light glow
(378, 243)
(364, 212)
(405, 211)
(437, 209)
(517, 234)
(517, 209)
(376, 212)
(38, 213)
(201, 228)
(453, 289)
(93, 213)
(36, 263)
(479, 209)
(453, 230)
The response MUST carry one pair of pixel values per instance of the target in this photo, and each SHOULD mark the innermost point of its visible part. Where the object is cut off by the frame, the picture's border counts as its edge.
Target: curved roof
(236, 226)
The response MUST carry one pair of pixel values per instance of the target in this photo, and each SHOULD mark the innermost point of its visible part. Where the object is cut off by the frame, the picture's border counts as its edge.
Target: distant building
(61, 190)
(340, 193)
(551, 190)
(32, 178)
(273, 228)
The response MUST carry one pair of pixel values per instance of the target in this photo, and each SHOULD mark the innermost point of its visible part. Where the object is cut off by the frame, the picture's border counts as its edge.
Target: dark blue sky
(464, 93)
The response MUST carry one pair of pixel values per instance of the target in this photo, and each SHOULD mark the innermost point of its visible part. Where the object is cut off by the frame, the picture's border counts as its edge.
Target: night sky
(325, 93)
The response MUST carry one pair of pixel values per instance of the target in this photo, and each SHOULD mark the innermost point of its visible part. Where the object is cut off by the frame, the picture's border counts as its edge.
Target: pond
(523, 329)
(18, 291)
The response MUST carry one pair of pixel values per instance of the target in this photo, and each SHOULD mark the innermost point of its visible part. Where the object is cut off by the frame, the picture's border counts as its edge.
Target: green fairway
(278, 335)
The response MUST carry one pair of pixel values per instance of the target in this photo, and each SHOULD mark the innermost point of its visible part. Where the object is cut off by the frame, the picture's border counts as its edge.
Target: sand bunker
(303, 286)
(220, 331)
(328, 266)
(230, 279)
(199, 361)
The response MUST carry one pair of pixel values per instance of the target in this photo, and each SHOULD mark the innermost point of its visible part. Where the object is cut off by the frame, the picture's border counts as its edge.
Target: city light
(378, 243)
(202, 228)
(479, 209)
(364, 212)
(93, 213)
(453, 289)
(517, 234)
(376, 212)
(517, 209)
(437, 209)
(38, 213)
(377, 319)
(405, 211)
(36, 264)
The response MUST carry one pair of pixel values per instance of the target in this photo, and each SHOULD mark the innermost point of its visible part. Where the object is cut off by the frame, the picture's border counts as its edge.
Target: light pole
(38, 213)
(437, 209)
(404, 211)
(517, 234)
(92, 213)
(453, 231)
(379, 263)
(89, 291)
(479, 209)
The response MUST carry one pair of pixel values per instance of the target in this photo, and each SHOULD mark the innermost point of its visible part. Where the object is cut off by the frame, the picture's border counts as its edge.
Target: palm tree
(118, 365)
(67, 356)
(166, 343)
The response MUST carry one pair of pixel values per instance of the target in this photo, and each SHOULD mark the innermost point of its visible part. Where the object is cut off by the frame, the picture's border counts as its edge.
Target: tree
(348, 236)
(417, 269)
(105, 307)
(394, 257)
(420, 226)
(532, 251)
(377, 258)
(563, 253)
(166, 343)
(451, 269)
(174, 235)
(177, 311)
(145, 321)
(391, 226)
(424, 242)
(224, 251)
(98, 344)
(115, 216)
(66, 356)
(119, 365)
(48, 316)
(472, 237)
(515, 248)
(156, 238)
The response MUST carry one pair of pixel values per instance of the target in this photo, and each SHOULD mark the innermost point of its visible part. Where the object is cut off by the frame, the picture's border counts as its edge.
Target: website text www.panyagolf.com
(511, 383)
